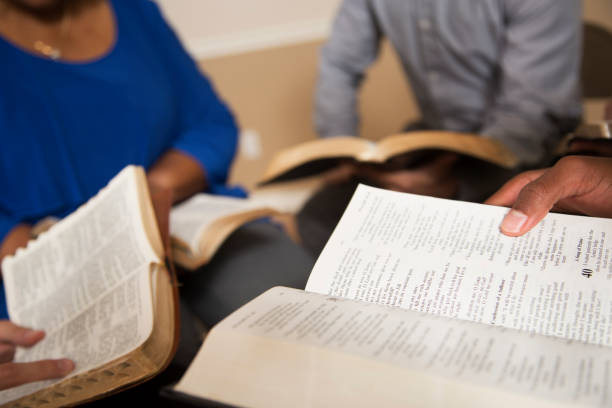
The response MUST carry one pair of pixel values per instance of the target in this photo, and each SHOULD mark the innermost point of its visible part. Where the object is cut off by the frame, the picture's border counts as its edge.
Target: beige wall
(212, 28)
(598, 11)
(223, 27)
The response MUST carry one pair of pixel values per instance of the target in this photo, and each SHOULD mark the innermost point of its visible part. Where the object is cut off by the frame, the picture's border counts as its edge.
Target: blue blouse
(67, 128)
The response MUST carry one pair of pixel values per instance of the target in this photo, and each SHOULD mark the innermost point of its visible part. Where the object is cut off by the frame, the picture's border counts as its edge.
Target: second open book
(409, 149)
(200, 225)
(417, 301)
(97, 283)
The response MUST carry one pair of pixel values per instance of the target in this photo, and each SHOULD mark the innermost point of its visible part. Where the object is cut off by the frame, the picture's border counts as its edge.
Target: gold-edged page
(293, 348)
(464, 143)
(449, 258)
(86, 282)
(190, 219)
(328, 148)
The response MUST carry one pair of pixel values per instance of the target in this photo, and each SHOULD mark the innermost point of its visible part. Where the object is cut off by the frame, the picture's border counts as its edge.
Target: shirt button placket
(424, 24)
(430, 45)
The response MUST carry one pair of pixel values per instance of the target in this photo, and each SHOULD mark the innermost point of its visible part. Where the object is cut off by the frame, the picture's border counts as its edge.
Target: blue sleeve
(207, 129)
(3, 308)
(6, 225)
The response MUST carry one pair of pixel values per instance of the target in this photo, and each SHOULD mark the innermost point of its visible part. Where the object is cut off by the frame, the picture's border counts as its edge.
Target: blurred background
(262, 57)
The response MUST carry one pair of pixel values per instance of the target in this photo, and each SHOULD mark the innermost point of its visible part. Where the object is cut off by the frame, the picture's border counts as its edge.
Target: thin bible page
(466, 352)
(86, 282)
(448, 258)
(190, 219)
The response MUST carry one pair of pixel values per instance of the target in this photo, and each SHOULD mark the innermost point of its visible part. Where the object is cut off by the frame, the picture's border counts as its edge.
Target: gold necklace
(49, 51)
(41, 47)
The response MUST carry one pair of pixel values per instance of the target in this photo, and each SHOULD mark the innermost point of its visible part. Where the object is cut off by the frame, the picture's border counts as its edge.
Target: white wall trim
(254, 40)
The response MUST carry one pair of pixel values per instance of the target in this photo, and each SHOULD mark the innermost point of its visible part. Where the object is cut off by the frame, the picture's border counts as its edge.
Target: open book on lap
(315, 157)
(200, 225)
(97, 284)
(419, 301)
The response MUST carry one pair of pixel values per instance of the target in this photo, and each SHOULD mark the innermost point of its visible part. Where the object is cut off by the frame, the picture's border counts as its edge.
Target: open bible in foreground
(406, 149)
(97, 284)
(422, 302)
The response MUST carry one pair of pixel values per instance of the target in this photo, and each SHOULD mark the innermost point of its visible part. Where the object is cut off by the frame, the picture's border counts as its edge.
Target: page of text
(86, 282)
(539, 366)
(190, 219)
(448, 258)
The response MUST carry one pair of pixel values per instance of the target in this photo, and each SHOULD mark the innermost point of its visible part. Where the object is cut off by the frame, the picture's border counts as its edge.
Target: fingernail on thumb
(65, 366)
(30, 336)
(513, 222)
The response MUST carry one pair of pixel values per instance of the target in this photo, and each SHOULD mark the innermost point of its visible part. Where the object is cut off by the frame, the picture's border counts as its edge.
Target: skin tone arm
(575, 184)
(177, 173)
(14, 374)
(174, 177)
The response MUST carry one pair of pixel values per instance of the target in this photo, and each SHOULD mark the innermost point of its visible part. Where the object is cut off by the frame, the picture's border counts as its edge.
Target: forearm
(179, 174)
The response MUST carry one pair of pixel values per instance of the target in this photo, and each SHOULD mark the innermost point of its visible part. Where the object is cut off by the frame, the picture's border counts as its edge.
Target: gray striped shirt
(507, 69)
